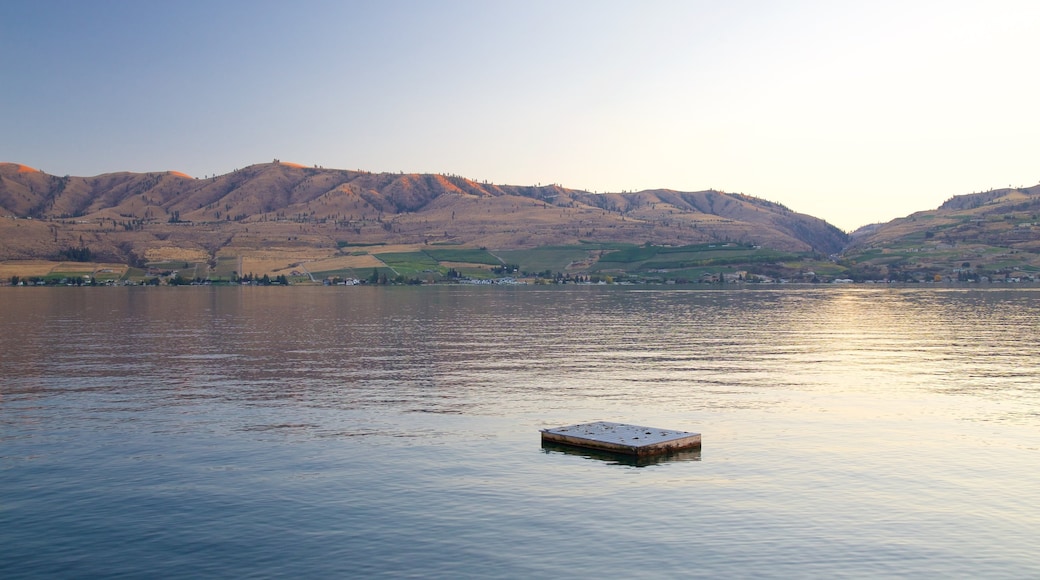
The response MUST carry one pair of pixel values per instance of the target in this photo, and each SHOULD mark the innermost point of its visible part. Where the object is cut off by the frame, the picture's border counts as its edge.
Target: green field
(637, 258)
(347, 273)
(226, 266)
(411, 263)
(553, 259)
(466, 256)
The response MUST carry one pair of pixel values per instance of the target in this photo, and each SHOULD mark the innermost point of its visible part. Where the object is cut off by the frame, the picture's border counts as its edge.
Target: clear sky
(855, 112)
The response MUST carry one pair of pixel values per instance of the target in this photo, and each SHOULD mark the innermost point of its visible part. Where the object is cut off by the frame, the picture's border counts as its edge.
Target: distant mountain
(135, 217)
(993, 234)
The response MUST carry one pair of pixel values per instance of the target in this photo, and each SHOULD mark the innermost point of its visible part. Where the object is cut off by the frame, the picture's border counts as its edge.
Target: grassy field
(53, 270)
(926, 258)
(410, 263)
(553, 259)
(467, 256)
(226, 266)
(710, 256)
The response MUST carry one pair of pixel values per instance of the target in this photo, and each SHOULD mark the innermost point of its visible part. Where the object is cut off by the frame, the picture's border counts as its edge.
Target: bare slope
(990, 233)
(129, 216)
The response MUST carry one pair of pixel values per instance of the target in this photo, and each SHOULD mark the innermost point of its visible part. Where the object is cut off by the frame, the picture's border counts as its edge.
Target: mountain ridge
(135, 212)
(993, 234)
(270, 217)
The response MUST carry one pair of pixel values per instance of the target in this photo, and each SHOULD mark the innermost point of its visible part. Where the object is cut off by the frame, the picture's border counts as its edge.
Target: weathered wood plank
(623, 438)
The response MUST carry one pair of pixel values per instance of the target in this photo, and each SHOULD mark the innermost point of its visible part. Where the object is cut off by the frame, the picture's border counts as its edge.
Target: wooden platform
(622, 438)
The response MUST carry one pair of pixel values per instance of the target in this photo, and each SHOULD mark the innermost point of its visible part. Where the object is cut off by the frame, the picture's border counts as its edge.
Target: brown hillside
(997, 217)
(132, 216)
(994, 233)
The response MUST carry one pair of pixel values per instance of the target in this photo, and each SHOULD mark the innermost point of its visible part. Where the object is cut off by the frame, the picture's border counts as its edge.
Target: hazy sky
(854, 112)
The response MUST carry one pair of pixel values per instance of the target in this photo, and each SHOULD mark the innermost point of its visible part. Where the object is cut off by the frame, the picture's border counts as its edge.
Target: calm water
(334, 432)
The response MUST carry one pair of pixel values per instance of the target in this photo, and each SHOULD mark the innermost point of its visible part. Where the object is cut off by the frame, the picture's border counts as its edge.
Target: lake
(848, 431)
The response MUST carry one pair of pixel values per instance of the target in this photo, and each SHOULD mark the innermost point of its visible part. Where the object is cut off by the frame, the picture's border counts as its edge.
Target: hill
(268, 217)
(989, 235)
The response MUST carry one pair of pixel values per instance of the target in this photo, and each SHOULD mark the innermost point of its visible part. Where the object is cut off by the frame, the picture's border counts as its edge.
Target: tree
(178, 280)
(80, 254)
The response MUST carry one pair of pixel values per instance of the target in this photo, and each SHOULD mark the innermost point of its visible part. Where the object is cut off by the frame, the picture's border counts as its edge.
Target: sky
(854, 112)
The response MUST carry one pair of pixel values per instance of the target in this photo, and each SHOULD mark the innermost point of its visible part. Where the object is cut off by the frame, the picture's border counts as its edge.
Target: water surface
(238, 432)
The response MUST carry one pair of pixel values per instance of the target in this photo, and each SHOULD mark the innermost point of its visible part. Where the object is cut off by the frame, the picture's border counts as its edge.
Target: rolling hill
(992, 235)
(277, 214)
(312, 222)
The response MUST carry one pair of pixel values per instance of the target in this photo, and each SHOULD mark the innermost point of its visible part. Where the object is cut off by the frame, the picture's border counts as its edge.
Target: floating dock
(622, 438)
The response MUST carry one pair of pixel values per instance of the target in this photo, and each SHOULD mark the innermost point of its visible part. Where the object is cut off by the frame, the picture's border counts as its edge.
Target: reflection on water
(622, 458)
(853, 431)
